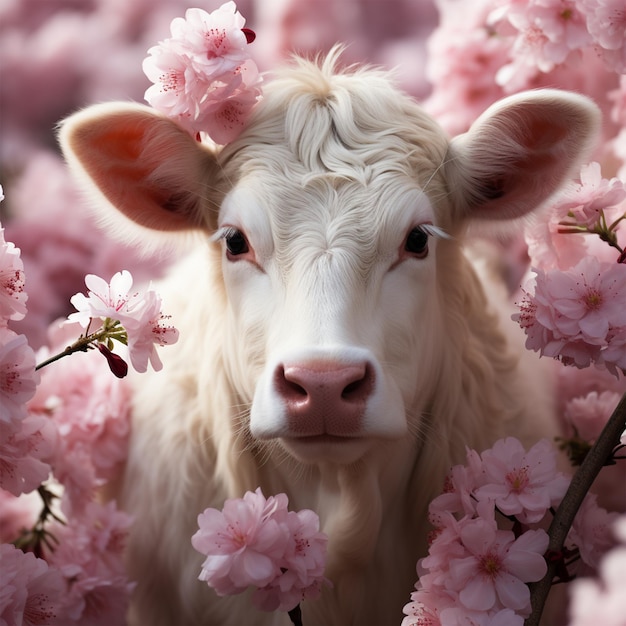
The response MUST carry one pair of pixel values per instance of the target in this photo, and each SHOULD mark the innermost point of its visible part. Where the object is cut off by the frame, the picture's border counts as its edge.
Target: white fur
(332, 172)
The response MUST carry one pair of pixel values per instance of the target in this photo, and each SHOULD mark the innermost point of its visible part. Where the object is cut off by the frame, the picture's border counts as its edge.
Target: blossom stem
(110, 329)
(582, 480)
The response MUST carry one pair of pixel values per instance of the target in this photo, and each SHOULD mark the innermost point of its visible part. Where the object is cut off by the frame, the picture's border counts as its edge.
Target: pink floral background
(458, 57)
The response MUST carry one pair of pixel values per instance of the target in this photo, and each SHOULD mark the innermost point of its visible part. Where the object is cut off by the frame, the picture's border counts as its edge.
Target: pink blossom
(104, 300)
(578, 313)
(147, 329)
(31, 590)
(18, 378)
(91, 411)
(17, 514)
(243, 543)
(603, 601)
(25, 451)
(302, 565)
(522, 484)
(589, 414)
(606, 22)
(591, 530)
(259, 543)
(584, 302)
(497, 566)
(479, 569)
(546, 33)
(460, 485)
(90, 556)
(591, 196)
(202, 75)
(12, 294)
(139, 315)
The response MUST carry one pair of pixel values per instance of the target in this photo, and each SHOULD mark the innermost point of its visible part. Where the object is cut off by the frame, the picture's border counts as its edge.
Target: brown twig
(582, 480)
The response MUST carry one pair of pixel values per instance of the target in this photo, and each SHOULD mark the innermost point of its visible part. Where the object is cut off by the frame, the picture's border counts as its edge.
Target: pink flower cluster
(25, 440)
(257, 542)
(203, 76)
(493, 48)
(477, 572)
(90, 410)
(140, 317)
(64, 433)
(89, 555)
(574, 309)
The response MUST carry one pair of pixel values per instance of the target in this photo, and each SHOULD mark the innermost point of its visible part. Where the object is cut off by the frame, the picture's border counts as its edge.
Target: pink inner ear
(520, 151)
(118, 151)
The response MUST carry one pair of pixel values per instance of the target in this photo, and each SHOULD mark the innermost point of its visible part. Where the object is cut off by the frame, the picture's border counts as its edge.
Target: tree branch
(582, 480)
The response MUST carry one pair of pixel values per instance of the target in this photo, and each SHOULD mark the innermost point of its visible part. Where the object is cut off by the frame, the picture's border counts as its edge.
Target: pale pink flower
(18, 378)
(584, 302)
(17, 514)
(603, 601)
(259, 543)
(606, 22)
(425, 608)
(547, 32)
(591, 530)
(104, 300)
(591, 196)
(497, 566)
(31, 591)
(139, 315)
(12, 294)
(90, 556)
(578, 314)
(589, 414)
(459, 487)
(147, 329)
(243, 543)
(203, 76)
(91, 411)
(302, 565)
(522, 484)
(463, 59)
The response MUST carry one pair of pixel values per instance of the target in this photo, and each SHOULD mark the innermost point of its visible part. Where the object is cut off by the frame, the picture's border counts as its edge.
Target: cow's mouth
(327, 447)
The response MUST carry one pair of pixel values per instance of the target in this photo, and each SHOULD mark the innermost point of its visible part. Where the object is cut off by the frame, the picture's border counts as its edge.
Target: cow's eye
(236, 242)
(417, 242)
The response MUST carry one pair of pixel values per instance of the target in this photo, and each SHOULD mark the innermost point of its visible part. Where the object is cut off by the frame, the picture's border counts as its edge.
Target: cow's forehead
(365, 219)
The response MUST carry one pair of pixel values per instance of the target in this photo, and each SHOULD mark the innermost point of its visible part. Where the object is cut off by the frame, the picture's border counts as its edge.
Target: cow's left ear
(519, 152)
(145, 165)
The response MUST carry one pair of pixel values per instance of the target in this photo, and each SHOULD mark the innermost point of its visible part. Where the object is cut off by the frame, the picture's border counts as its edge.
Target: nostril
(362, 385)
(288, 387)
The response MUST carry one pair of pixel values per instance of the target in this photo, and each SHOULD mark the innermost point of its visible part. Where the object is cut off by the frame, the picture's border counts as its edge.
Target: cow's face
(333, 305)
(333, 206)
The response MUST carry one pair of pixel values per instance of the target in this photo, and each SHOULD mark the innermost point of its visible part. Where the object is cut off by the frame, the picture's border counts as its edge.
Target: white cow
(336, 342)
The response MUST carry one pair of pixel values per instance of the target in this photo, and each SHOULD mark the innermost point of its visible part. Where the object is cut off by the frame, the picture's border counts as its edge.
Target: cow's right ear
(145, 165)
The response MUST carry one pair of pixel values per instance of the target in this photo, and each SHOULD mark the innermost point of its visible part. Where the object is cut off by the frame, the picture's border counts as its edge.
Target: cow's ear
(519, 152)
(144, 164)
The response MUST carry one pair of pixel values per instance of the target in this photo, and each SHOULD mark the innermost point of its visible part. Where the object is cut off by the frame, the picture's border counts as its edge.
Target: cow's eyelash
(224, 233)
(434, 231)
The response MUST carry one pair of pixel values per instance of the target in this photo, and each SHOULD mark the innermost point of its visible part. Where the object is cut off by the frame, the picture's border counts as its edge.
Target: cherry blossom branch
(111, 329)
(581, 482)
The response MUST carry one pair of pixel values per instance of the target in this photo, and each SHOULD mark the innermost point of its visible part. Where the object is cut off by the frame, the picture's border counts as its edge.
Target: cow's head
(338, 213)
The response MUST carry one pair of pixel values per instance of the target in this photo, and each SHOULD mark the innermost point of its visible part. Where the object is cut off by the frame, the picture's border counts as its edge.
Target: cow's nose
(325, 397)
